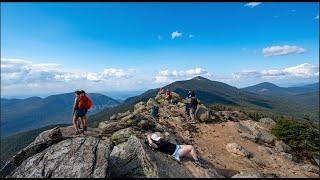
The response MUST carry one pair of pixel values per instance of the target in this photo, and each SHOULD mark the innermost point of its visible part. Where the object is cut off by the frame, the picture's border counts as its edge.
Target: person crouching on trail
(175, 150)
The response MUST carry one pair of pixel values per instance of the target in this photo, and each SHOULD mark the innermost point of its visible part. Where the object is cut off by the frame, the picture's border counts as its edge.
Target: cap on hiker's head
(155, 137)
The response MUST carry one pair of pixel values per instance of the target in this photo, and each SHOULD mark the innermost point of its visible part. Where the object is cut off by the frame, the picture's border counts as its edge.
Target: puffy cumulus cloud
(175, 34)
(282, 50)
(317, 16)
(70, 76)
(15, 71)
(166, 76)
(245, 74)
(272, 73)
(252, 4)
(18, 71)
(304, 70)
(110, 73)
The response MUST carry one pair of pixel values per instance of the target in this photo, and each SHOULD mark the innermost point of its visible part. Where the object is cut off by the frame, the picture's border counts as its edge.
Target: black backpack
(194, 102)
(154, 111)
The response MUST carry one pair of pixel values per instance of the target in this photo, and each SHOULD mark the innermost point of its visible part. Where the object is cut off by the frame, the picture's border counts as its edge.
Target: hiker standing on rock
(80, 109)
(168, 96)
(175, 150)
(88, 104)
(191, 108)
(75, 117)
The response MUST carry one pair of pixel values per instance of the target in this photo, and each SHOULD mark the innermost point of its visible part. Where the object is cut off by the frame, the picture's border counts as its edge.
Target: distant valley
(25, 114)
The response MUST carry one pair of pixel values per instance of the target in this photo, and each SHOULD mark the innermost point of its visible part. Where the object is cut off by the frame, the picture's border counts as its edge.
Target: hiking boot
(199, 163)
(85, 129)
(178, 161)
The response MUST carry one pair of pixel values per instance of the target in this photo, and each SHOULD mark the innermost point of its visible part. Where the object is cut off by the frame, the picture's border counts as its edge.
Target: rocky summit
(229, 142)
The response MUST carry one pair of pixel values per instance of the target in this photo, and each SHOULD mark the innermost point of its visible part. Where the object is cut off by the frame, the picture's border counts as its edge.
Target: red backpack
(84, 102)
(89, 103)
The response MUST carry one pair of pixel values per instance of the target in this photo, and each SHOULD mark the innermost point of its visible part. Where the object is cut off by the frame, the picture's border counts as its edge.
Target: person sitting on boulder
(175, 150)
(154, 111)
(161, 91)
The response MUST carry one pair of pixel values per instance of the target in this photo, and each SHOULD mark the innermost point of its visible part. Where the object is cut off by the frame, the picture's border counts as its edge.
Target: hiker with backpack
(75, 121)
(191, 108)
(80, 109)
(176, 151)
(88, 106)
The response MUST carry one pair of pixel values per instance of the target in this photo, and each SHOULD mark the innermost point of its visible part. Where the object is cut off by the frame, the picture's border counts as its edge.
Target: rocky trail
(229, 142)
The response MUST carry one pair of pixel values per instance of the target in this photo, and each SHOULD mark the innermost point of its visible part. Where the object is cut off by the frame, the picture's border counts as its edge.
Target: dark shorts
(80, 112)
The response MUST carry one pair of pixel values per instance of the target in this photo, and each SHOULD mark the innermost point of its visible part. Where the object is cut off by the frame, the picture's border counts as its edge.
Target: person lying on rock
(175, 150)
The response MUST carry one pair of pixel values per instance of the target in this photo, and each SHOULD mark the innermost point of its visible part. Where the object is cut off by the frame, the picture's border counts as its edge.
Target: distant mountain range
(24, 114)
(32, 113)
(121, 95)
(209, 92)
(269, 89)
(294, 101)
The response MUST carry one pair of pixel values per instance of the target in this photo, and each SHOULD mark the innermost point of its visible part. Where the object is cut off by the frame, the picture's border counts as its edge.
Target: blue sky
(57, 47)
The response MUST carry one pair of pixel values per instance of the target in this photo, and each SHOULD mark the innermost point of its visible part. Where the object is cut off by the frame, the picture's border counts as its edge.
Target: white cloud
(252, 4)
(175, 34)
(18, 71)
(21, 71)
(245, 74)
(304, 70)
(109, 73)
(282, 50)
(191, 35)
(160, 37)
(317, 17)
(166, 76)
